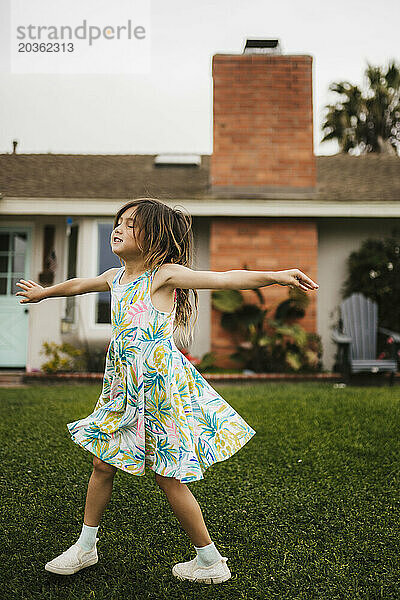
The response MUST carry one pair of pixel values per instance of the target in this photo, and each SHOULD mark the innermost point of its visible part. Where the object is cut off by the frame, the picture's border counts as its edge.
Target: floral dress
(155, 408)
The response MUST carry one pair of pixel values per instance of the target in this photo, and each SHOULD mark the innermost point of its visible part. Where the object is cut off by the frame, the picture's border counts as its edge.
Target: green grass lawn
(309, 508)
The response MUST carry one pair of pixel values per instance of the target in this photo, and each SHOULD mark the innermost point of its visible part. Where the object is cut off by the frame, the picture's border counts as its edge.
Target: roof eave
(207, 207)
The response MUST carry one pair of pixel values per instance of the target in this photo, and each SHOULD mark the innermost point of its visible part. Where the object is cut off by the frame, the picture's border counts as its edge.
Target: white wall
(337, 237)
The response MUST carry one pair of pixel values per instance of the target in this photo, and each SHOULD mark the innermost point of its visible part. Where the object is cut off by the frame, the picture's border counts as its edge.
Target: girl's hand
(32, 291)
(295, 278)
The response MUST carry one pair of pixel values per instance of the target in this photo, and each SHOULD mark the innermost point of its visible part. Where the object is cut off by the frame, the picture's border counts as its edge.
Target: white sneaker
(72, 560)
(216, 573)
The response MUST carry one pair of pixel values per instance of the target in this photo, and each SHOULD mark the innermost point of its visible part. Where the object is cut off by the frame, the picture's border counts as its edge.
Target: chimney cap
(262, 46)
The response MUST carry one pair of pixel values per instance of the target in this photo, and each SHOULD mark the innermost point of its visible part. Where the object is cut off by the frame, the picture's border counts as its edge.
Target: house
(262, 200)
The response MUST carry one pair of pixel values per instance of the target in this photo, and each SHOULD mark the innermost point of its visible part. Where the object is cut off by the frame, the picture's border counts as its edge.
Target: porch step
(12, 378)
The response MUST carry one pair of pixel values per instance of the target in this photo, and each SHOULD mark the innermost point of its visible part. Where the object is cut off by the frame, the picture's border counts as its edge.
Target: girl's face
(123, 242)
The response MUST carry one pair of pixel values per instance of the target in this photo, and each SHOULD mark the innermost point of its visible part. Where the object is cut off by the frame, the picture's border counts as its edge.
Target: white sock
(207, 555)
(88, 537)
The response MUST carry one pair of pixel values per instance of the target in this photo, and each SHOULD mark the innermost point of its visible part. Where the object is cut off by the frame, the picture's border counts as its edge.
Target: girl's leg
(186, 509)
(99, 491)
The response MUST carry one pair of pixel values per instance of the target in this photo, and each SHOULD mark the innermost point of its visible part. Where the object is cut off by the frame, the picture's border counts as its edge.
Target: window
(106, 259)
(13, 254)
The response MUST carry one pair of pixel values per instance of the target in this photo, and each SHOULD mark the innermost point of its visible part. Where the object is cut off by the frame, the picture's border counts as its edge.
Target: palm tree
(370, 122)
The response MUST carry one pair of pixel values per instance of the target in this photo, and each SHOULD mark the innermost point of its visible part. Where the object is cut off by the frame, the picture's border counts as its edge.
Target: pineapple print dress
(155, 408)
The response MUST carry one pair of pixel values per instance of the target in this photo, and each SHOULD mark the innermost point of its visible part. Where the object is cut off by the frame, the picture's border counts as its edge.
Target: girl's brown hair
(167, 238)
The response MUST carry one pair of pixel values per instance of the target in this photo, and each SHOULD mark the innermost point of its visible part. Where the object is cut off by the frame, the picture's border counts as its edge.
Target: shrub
(62, 358)
(67, 358)
(374, 270)
(269, 345)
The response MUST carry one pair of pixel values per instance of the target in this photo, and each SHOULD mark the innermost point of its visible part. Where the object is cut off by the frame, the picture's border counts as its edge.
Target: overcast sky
(170, 109)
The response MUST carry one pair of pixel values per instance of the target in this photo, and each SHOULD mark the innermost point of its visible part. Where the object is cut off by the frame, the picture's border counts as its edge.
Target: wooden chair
(357, 342)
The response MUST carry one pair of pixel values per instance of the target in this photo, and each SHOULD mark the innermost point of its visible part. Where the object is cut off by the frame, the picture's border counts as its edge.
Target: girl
(155, 408)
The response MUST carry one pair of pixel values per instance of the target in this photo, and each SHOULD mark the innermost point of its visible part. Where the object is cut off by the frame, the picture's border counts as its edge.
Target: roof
(98, 176)
(340, 177)
(366, 177)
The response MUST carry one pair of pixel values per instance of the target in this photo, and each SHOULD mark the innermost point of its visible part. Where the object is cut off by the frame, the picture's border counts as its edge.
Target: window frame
(94, 306)
(27, 229)
(73, 299)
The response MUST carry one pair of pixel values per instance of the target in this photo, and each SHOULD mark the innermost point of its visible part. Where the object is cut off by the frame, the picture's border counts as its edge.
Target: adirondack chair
(357, 341)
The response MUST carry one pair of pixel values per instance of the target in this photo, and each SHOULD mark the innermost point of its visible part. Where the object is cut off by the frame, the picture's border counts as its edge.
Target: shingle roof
(339, 177)
(98, 176)
(366, 177)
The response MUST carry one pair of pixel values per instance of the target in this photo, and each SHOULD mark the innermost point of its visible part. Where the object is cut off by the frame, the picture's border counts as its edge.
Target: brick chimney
(263, 123)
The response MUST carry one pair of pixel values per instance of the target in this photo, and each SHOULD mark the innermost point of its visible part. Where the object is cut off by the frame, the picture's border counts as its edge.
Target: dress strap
(118, 274)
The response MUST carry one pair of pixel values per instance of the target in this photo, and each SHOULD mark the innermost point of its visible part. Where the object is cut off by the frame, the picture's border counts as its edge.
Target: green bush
(66, 358)
(374, 270)
(63, 358)
(269, 345)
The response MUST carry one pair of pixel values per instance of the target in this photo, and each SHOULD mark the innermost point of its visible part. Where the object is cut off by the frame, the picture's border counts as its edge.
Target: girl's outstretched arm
(33, 292)
(178, 276)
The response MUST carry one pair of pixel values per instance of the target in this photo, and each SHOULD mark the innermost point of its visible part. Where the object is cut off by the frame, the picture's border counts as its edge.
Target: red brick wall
(263, 124)
(262, 244)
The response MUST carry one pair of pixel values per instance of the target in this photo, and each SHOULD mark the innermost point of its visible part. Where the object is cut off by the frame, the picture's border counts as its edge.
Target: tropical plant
(269, 345)
(370, 121)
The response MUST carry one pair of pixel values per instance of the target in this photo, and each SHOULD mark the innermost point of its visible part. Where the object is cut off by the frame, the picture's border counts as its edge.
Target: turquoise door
(15, 243)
